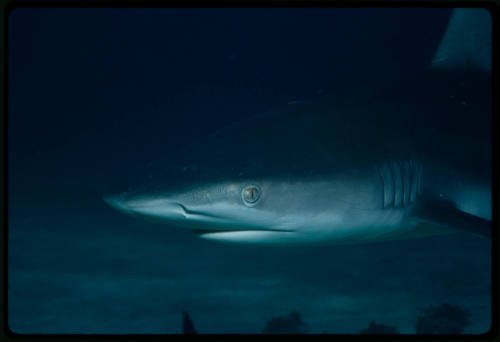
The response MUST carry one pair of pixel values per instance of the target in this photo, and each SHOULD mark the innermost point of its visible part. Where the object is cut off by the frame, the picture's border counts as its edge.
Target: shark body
(354, 168)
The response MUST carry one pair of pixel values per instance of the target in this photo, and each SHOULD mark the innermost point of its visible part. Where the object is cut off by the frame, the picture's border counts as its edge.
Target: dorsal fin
(467, 42)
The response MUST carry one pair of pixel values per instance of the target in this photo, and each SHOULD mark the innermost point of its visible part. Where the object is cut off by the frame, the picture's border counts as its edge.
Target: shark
(401, 162)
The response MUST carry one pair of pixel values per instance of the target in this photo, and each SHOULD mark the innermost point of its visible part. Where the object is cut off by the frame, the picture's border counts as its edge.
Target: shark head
(256, 182)
(225, 210)
(268, 211)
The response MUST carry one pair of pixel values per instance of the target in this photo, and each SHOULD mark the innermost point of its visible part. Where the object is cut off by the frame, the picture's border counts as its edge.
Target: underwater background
(97, 96)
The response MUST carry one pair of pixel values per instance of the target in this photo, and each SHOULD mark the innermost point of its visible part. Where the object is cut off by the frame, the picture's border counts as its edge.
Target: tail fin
(467, 42)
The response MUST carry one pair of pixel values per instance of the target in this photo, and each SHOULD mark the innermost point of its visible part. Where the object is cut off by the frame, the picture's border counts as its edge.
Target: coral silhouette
(443, 319)
(381, 329)
(289, 324)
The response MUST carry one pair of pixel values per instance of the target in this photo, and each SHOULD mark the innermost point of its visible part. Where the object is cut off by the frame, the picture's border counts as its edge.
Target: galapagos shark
(404, 162)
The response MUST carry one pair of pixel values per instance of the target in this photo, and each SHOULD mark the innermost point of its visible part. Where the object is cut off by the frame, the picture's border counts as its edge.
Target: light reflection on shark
(412, 163)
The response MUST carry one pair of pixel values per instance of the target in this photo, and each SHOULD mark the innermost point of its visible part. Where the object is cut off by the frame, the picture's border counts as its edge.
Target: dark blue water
(98, 95)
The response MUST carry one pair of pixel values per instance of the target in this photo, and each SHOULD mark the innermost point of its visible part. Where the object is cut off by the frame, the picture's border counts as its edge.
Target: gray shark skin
(353, 168)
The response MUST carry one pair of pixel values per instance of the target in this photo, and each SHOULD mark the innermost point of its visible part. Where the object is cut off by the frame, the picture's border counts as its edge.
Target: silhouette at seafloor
(445, 318)
(187, 325)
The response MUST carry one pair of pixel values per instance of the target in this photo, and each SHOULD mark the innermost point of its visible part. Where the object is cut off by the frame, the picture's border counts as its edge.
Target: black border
(492, 6)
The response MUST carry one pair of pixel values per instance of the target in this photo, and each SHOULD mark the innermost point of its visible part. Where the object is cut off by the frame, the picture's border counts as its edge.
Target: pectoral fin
(445, 214)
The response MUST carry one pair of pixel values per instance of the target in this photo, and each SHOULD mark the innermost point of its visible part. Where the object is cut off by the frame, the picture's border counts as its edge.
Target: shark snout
(148, 208)
(161, 210)
(115, 201)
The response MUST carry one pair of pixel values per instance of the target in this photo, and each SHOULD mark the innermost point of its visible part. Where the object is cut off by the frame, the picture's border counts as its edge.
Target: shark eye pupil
(250, 194)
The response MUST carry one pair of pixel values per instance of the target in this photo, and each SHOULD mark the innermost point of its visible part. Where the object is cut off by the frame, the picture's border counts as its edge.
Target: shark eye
(250, 195)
